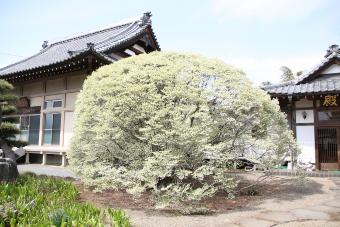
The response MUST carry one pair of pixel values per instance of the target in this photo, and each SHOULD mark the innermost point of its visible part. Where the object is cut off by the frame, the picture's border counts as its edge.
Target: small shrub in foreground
(45, 201)
(119, 218)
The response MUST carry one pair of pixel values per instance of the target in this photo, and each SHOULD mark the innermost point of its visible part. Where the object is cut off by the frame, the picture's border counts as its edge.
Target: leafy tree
(266, 83)
(287, 74)
(172, 124)
(299, 73)
(8, 168)
(8, 130)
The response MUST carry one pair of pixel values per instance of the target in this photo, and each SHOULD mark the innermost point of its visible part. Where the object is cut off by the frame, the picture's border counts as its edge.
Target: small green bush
(58, 217)
(45, 201)
(119, 218)
(193, 210)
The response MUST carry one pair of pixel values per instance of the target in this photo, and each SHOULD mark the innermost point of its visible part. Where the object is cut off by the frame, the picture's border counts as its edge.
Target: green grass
(46, 201)
(119, 218)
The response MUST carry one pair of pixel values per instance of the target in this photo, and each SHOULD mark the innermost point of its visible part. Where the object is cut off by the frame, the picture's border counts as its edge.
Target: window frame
(27, 130)
(51, 104)
(52, 130)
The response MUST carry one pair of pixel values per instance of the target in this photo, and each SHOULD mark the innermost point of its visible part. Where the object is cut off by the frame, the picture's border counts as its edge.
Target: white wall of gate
(306, 139)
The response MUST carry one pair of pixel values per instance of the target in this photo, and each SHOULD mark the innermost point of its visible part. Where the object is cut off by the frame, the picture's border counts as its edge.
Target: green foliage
(266, 83)
(7, 128)
(33, 201)
(299, 73)
(192, 210)
(170, 124)
(7, 106)
(287, 74)
(119, 218)
(58, 217)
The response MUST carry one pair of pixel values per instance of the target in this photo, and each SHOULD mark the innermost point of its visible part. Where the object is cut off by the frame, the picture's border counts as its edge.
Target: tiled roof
(98, 42)
(324, 62)
(318, 86)
(308, 83)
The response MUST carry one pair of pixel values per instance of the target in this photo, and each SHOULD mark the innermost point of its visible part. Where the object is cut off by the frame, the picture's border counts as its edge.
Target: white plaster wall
(54, 97)
(36, 101)
(71, 100)
(335, 68)
(305, 138)
(68, 128)
(309, 116)
(55, 85)
(16, 91)
(55, 89)
(75, 82)
(33, 88)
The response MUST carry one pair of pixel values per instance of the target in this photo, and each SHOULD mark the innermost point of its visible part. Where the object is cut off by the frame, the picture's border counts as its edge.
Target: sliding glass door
(29, 129)
(52, 122)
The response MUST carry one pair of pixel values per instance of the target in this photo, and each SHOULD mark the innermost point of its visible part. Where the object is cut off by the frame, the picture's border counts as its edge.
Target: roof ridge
(89, 34)
(25, 59)
(292, 84)
(114, 35)
(144, 20)
(72, 39)
(282, 84)
(313, 69)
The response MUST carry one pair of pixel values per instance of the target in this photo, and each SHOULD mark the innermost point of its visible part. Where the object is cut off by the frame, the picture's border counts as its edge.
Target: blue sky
(258, 36)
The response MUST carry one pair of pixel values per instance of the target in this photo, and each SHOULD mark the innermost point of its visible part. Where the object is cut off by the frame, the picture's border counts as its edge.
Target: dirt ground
(279, 201)
(220, 203)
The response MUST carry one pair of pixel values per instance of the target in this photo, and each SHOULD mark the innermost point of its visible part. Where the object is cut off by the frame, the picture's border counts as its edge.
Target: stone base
(8, 170)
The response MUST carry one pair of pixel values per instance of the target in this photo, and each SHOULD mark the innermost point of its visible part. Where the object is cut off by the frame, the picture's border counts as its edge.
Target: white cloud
(266, 10)
(268, 69)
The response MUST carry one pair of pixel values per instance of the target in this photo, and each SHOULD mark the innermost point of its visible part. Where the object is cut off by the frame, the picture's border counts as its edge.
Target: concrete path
(48, 170)
(315, 210)
(326, 213)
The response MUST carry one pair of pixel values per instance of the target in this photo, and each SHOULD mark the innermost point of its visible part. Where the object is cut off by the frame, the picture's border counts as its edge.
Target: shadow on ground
(291, 188)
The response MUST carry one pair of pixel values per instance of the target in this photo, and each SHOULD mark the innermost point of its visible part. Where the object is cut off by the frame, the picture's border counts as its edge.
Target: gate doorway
(328, 145)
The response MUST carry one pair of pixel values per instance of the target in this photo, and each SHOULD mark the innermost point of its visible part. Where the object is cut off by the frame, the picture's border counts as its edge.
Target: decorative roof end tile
(145, 19)
(45, 44)
(332, 49)
(90, 46)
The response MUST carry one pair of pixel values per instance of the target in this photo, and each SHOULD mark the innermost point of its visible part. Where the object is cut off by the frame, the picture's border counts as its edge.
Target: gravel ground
(48, 170)
(319, 207)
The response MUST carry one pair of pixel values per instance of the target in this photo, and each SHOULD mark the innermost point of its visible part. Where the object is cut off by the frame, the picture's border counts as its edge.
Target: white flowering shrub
(170, 124)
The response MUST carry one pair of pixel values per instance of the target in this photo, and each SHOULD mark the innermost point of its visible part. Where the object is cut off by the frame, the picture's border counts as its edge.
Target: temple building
(312, 105)
(48, 82)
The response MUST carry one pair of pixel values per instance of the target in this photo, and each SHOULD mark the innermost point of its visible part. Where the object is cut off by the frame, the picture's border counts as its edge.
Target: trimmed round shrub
(171, 125)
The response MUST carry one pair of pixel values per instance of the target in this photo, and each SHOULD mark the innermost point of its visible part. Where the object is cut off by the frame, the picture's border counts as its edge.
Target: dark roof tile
(102, 40)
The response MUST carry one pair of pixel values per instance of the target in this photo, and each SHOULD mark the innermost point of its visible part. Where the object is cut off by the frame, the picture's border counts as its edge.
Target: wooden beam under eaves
(122, 54)
(137, 49)
(129, 52)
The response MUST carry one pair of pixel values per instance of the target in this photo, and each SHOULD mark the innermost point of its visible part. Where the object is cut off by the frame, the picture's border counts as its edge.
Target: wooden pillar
(62, 120)
(338, 141)
(316, 138)
(41, 126)
(62, 128)
(44, 159)
(292, 122)
(63, 160)
(89, 68)
(27, 158)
